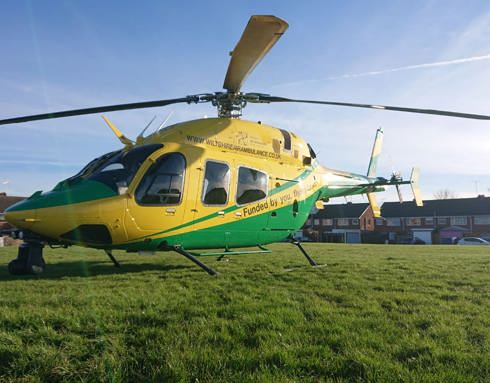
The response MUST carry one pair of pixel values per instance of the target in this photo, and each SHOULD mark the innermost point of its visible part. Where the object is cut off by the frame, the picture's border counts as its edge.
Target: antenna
(164, 121)
(140, 136)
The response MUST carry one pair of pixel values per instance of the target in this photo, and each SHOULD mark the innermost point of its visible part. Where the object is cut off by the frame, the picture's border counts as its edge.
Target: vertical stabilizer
(414, 182)
(373, 162)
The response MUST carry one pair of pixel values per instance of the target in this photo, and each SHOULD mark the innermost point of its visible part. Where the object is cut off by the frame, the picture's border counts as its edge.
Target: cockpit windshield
(118, 170)
(115, 169)
(94, 165)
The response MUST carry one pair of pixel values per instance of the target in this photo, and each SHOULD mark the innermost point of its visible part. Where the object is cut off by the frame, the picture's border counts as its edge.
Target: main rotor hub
(229, 105)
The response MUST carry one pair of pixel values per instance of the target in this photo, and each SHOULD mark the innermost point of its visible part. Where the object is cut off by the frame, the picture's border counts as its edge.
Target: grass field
(370, 313)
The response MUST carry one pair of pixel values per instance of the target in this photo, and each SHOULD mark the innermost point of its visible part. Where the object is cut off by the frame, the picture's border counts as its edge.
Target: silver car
(473, 241)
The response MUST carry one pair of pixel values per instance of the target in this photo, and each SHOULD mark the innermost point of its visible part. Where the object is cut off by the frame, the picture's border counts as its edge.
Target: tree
(445, 194)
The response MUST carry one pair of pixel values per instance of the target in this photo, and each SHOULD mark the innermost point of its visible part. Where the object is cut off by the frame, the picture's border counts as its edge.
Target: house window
(429, 220)
(316, 222)
(252, 185)
(327, 221)
(216, 183)
(482, 220)
(392, 221)
(378, 221)
(342, 221)
(413, 221)
(308, 221)
(442, 221)
(355, 222)
(462, 220)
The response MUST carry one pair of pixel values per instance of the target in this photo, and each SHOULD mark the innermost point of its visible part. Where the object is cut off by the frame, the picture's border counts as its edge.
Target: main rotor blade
(259, 36)
(99, 109)
(266, 98)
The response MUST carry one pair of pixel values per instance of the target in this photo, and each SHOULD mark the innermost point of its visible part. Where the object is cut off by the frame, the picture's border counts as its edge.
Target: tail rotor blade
(400, 197)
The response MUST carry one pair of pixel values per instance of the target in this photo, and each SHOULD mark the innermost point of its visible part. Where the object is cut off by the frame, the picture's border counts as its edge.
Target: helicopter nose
(20, 218)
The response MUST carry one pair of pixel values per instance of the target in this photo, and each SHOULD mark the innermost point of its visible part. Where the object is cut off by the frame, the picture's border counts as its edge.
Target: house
(438, 221)
(5, 202)
(342, 223)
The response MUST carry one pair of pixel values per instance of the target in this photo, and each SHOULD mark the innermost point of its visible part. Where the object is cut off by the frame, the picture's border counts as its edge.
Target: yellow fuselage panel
(233, 136)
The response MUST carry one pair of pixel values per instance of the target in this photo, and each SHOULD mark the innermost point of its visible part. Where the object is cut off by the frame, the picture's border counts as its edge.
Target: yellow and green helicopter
(210, 183)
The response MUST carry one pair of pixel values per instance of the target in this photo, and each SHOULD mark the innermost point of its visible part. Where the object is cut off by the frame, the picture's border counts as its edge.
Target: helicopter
(212, 183)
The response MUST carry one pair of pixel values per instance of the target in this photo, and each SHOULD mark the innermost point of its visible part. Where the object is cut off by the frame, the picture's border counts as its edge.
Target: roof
(6, 201)
(438, 207)
(348, 210)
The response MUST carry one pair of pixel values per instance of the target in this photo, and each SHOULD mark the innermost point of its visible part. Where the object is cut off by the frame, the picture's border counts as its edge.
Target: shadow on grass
(82, 269)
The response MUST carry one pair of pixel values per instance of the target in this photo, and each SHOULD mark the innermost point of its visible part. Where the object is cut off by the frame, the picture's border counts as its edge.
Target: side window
(252, 185)
(287, 139)
(163, 182)
(216, 183)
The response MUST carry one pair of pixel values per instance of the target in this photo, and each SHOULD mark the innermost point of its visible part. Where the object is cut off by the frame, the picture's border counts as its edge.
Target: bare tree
(445, 194)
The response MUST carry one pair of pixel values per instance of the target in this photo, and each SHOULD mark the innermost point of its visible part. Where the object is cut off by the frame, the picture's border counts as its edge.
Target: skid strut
(192, 258)
(113, 259)
(298, 244)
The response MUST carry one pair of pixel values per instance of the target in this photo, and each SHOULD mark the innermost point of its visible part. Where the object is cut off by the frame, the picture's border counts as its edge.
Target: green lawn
(374, 313)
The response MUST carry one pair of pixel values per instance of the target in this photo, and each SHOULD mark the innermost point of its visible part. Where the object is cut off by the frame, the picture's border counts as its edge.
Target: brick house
(342, 223)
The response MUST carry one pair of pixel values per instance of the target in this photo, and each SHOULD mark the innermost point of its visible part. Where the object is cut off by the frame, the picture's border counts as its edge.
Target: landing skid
(221, 254)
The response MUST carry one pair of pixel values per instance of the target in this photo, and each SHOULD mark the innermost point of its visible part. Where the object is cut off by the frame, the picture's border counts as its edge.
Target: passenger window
(252, 185)
(163, 182)
(216, 183)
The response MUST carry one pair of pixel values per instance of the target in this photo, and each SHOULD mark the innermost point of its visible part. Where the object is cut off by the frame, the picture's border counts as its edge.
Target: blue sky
(60, 55)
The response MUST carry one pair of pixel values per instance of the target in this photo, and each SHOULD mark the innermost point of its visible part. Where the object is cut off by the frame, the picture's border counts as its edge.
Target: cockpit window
(163, 182)
(119, 169)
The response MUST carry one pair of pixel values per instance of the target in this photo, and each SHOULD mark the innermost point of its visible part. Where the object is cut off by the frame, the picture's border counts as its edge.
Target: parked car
(473, 241)
(412, 241)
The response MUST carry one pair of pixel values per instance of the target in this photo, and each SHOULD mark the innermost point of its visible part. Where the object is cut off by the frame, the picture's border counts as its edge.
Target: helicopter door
(212, 198)
(157, 206)
(250, 217)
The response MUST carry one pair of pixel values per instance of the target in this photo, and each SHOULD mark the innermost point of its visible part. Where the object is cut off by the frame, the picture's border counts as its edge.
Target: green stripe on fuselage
(243, 233)
(83, 192)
